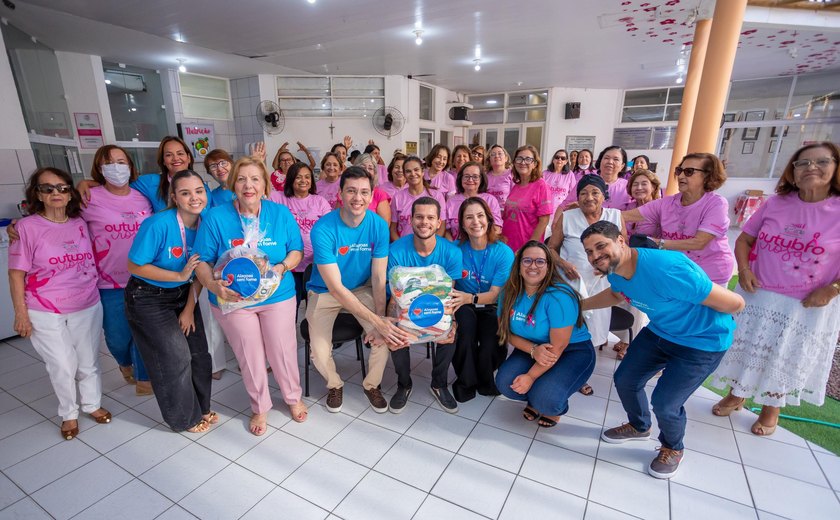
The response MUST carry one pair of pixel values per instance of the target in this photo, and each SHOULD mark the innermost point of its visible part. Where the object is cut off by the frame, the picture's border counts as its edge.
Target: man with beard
(420, 249)
(690, 329)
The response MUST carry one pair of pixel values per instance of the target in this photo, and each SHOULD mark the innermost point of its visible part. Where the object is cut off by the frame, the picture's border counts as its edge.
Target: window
(136, 97)
(511, 107)
(205, 97)
(652, 105)
(427, 103)
(330, 96)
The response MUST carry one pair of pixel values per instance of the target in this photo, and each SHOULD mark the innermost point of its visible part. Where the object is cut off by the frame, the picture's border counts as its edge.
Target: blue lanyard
(476, 269)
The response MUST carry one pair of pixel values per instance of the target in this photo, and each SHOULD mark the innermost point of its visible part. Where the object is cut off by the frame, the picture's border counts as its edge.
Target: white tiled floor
(484, 462)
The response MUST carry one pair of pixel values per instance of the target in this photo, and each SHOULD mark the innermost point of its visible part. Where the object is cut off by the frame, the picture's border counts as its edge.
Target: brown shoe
(69, 429)
(335, 398)
(377, 400)
(101, 416)
(128, 374)
(143, 388)
(666, 464)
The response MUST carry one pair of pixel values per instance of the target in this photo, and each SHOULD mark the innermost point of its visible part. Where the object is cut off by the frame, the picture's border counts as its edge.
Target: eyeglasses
(49, 188)
(559, 157)
(471, 177)
(688, 172)
(527, 261)
(804, 164)
(216, 165)
(477, 154)
(524, 160)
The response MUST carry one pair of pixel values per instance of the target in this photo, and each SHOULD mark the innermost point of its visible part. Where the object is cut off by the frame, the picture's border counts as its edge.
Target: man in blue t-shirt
(690, 329)
(420, 249)
(350, 256)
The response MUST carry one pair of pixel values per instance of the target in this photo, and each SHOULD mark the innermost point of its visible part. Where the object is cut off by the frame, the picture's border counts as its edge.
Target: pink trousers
(257, 334)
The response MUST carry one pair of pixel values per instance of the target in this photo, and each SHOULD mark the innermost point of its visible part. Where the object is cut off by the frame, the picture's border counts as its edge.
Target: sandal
(722, 410)
(258, 424)
(601, 346)
(298, 411)
(211, 417)
(128, 374)
(102, 416)
(69, 433)
(547, 422)
(762, 430)
(530, 414)
(621, 349)
(201, 427)
(586, 390)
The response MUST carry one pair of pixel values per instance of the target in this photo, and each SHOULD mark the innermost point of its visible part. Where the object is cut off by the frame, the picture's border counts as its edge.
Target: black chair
(346, 328)
(621, 320)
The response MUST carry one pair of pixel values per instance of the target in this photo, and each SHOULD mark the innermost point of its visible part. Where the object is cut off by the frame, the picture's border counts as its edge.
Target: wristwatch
(661, 243)
(285, 266)
(475, 299)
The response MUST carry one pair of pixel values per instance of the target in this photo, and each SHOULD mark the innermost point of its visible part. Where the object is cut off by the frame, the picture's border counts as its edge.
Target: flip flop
(546, 422)
(258, 426)
(201, 427)
(211, 417)
(298, 415)
(530, 414)
(586, 390)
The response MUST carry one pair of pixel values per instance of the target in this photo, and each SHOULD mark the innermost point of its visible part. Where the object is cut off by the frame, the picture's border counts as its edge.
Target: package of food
(248, 270)
(422, 296)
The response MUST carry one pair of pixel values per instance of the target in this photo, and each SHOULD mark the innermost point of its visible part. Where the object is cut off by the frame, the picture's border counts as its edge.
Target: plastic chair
(621, 320)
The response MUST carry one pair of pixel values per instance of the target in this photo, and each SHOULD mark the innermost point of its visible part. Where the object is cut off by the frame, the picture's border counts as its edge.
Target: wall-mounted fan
(270, 117)
(388, 121)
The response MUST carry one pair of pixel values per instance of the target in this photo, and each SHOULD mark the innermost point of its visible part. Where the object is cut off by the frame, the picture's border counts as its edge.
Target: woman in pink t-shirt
(437, 173)
(417, 187)
(642, 187)
(461, 155)
(113, 215)
(528, 205)
(283, 160)
(300, 196)
(561, 182)
(583, 164)
(611, 164)
(696, 219)
(472, 182)
(396, 178)
(789, 277)
(499, 180)
(52, 275)
(328, 184)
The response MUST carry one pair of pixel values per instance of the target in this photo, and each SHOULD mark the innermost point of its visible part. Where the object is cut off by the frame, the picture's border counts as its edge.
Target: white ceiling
(574, 43)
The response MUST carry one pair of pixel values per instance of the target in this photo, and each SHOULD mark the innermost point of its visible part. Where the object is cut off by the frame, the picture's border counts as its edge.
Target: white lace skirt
(782, 352)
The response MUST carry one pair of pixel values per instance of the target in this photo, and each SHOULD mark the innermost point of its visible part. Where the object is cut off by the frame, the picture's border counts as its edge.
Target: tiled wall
(245, 94)
(15, 168)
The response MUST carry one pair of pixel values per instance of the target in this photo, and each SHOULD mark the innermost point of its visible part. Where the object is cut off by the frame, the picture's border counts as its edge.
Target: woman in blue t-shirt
(160, 303)
(264, 330)
(487, 262)
(540, 317)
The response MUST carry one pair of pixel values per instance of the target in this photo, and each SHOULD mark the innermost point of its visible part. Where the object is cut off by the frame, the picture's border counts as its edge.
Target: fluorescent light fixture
(491, 101)
(418, 33)
(477, 66)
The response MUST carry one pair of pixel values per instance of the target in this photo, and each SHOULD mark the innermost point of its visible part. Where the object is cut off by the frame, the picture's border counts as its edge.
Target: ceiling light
(679, 79)
(477, 65)
(418, 33)
(181, 67)
(311, 1)
(491, 101)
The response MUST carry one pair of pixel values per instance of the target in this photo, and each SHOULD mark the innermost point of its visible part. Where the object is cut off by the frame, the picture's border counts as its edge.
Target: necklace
(66, 218)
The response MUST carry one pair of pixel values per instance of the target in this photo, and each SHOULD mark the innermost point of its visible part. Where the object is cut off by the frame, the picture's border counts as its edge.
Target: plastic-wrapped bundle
(248, 270)
(422, 295)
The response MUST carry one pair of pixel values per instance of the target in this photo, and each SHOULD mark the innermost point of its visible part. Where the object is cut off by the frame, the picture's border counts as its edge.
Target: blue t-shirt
(445, 254)
(556, 309)
(158, 242)
(221, 196)
(352, 249)
(148, 185)
(221, 227)
(492, 266)
(669, 288)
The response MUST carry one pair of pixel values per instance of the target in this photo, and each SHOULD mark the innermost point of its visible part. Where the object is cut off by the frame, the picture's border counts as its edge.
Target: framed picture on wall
(750, 134)
(754, 115)
(748, 148)
(773, 146)
(774, 132)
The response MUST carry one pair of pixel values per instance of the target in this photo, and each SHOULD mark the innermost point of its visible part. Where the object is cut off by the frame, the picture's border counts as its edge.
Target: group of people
(132, 255)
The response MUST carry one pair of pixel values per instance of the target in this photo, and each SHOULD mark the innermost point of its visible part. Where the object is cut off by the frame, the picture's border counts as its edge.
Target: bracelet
(533, 348)
(285, 266)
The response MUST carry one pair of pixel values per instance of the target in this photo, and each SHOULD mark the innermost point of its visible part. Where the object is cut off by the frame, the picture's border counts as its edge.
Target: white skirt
(782, 352)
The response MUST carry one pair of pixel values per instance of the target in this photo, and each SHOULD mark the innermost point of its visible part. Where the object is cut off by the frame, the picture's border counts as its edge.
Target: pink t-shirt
(561, 186)
(443, 181)
(389, 188)
(795, 242)
(383, 173)
(523, 208)
(499, 185)
(306, 211)
(710, 214)
(58, 261)
(401, 208)
(618, 194)
(113, 220)
(644, 227)
(329, 190)
(453, 208)
(278, 180)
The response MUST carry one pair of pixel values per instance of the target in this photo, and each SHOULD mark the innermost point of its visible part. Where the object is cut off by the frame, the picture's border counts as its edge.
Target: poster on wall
(579, 142)
(411, 147)
(89, 130)
(200, 138)
(632, 138)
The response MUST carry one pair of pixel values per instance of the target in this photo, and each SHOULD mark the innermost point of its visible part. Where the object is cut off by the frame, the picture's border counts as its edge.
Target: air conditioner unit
(457, 113)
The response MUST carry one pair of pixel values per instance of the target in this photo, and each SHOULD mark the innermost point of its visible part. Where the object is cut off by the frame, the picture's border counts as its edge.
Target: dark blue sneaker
(445, 399)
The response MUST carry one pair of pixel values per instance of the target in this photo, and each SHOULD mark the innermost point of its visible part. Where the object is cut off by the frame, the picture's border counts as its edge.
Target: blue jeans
(684, 369)
(550, 393)
(118, 333)
(179, 365)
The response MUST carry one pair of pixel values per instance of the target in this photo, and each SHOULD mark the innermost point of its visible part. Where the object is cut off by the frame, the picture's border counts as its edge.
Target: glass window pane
(675, 95)
(492, 138)
(533, 136)
(768, 94)
(145, 159)
(195, 85)
(645, 97)
(642, 114)
(205, 108)
(358, 87)
(351, 107)
(516, 116)
(487, 101)
(313, 86)
(427, 103)
(815, 95)
(520, 116)
(299, 107)
(521, 99)
(474, 137)
(511, 140)
(672, 112)
(136, 97)
(483, 117)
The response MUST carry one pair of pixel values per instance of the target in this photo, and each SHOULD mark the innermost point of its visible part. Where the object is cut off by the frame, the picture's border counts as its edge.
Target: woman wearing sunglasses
(540, 317)
(53, 279)
(561, 182)
(694, 220)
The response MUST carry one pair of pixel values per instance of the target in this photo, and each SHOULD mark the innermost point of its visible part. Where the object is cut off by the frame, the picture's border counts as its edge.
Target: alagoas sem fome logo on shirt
(355, 248)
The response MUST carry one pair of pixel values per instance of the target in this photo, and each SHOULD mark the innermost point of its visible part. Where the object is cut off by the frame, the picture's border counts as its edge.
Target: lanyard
(183, 231)
(476, 269)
